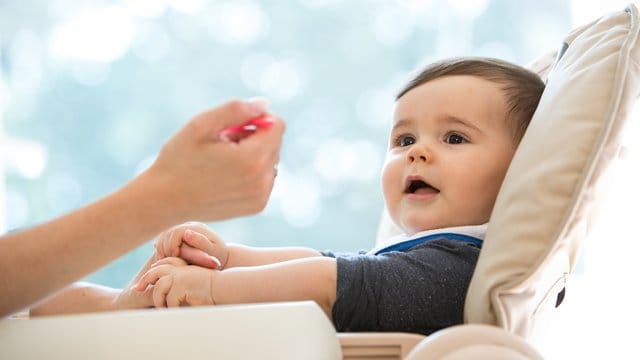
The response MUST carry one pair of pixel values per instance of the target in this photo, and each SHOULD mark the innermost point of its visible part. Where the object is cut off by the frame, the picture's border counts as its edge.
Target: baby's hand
(177, 284)
(195, 243)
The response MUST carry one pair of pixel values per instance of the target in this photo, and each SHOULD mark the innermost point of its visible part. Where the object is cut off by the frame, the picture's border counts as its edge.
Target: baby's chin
(412, 230)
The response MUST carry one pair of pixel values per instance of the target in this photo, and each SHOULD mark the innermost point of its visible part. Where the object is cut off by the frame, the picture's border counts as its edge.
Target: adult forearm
(303, 279)
(40, 260)
(77, 298)
(240, 255)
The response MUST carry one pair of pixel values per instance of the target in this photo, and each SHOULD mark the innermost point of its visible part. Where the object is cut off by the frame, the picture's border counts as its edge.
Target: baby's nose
(413, 158)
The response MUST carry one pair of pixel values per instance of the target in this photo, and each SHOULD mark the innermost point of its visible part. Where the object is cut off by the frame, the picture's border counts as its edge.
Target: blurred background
(89, 90)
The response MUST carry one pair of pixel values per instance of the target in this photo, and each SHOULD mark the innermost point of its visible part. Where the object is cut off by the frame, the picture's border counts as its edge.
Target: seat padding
(552, 187)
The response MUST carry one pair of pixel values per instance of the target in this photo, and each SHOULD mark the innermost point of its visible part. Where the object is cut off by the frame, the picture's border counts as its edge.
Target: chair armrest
(473, 341)
(377, 345)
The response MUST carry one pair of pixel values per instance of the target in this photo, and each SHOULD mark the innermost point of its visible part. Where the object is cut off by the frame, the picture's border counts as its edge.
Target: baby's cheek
(479, 206)
(390, 181)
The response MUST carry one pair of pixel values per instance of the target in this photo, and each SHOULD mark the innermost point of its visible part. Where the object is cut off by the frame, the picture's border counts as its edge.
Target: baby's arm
(311, 278)
(192, 241)
(240, 255)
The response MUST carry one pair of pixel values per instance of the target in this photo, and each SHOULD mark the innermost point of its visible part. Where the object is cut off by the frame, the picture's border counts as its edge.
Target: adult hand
(205, 177)
(130, 298)
(83, 297)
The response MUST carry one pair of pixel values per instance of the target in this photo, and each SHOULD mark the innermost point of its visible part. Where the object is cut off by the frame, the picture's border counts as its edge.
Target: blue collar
(406, 245)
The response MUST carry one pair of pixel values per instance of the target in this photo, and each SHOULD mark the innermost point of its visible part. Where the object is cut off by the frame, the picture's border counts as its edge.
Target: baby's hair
(523, 88)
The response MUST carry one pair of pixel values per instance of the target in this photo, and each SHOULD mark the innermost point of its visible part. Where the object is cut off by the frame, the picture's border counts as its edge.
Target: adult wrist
(151, 192)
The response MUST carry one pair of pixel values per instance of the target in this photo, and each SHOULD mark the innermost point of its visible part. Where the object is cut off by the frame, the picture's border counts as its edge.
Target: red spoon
(239, 132)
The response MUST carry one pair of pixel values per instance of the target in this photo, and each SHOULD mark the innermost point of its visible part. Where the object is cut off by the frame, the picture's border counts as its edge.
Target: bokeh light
(146, 8)
(26, 55)
(151, 42)
(64, 193)
(27, 158)
(102, 35)
(238, 23)
(91, 90)
(390, 26)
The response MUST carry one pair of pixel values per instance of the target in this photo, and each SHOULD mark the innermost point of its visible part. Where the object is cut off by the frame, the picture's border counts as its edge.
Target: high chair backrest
(548, 198)
(550, 192)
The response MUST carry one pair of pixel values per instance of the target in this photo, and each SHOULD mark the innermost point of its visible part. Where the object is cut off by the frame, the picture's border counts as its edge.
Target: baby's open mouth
(418, 186)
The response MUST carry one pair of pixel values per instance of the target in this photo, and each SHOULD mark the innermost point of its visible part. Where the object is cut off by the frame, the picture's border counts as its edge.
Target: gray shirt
(419, 290)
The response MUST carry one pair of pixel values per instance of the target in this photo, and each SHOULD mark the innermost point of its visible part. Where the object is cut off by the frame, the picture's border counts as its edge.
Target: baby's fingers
(160, 291)
(173, 298)
(172, 245)
(162, 244)
(151, 276)
(198, 240)
(198, 257)
(175, 261)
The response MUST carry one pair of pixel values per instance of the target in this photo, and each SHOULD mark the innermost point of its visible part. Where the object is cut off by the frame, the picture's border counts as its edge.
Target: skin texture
(452, 134)
(196, 175)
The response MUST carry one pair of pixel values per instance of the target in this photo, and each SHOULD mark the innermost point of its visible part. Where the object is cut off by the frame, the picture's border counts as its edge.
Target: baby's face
(449, 150)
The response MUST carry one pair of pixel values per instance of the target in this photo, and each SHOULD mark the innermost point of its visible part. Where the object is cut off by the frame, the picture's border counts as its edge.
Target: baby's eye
(455, 139)
(404, 140)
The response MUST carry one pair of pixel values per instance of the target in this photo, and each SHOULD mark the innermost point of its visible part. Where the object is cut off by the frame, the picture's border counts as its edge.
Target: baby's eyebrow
(401, 123)
(465, 123)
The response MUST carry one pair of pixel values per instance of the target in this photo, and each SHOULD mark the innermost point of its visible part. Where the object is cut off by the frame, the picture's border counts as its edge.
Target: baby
(455, 129)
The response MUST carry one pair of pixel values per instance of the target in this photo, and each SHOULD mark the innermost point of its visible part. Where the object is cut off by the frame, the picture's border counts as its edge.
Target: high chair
(542, 213)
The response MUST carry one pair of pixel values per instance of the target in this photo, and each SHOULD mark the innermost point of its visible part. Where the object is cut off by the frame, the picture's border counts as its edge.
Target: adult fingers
(236, 135)
(271, 135)
(129, 298)
(240, 132)
(232, 113)
(265, 146)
